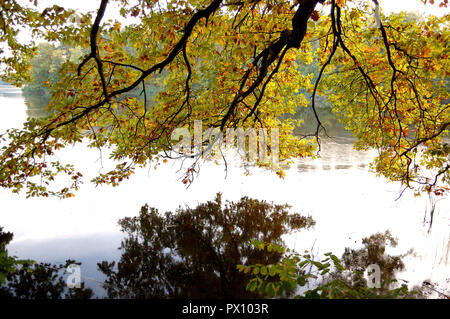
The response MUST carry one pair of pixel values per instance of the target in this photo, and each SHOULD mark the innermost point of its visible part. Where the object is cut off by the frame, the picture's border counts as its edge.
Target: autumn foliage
(231, 63)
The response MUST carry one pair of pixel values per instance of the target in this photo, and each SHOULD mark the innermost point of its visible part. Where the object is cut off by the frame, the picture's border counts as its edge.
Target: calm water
(347, 201)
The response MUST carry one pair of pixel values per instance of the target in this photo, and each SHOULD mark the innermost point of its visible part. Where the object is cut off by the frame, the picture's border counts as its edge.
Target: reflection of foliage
(36, 106)
(8, 264)
(194, 252)
(42, 281)
(373, 252)
(428, 290)
(333, 278)
(24, 279)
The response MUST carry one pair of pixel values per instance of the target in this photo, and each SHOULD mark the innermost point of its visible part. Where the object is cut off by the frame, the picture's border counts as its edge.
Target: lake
(347, 201)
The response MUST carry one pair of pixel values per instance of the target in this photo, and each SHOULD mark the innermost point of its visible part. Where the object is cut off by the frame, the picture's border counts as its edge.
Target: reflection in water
(341, 201)
(193, 253)
(36, 106)
(12, 108)
(337, 154)
(39, 280)
(10, 91)
(306, 167)
(343, 166)
(374, 252)
(328, 119)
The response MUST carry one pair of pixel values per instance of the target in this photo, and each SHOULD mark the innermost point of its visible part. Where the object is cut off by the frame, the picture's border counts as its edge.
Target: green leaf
(325, 271)
(270, 290)
(272, 270)
(301, 281)
(252, 285)
(263, 270)
(303, 263)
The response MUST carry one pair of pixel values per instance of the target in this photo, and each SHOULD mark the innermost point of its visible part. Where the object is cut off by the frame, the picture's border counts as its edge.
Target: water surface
(347, 201)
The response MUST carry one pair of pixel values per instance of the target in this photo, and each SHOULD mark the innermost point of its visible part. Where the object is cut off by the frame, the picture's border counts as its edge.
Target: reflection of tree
(38, 281)
(193, 253)
(42, 281)
(356, 261)
(5, 239)
(36, 106)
